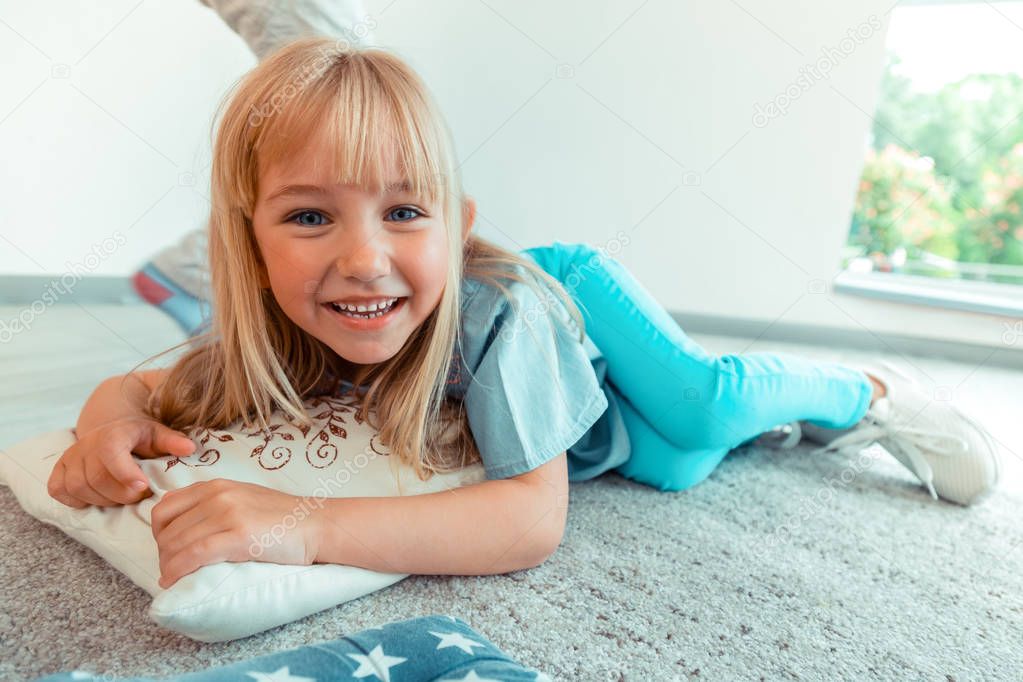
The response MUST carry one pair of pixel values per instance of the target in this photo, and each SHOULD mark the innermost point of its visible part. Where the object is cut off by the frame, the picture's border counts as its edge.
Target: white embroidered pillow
(338, 457)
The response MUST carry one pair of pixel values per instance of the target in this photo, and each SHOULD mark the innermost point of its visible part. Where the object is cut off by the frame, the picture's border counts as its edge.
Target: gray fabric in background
(872, 580)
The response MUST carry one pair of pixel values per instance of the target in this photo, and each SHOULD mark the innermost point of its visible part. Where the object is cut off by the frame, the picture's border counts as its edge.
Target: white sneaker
(950, 452)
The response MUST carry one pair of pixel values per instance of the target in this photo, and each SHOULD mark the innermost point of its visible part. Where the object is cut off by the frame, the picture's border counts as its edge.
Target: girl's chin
(363, 356)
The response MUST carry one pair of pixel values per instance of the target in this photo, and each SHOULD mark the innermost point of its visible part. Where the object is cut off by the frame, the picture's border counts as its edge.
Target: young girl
(342, 258)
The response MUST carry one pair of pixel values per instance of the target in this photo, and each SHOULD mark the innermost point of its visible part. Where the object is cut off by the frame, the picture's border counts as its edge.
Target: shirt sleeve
(534, 392)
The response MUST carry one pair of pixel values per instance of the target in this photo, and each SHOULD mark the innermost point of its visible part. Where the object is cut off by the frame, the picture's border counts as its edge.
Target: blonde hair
(254, 359)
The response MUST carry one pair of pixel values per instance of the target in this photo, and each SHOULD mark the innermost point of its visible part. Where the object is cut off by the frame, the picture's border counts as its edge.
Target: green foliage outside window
(942, 185)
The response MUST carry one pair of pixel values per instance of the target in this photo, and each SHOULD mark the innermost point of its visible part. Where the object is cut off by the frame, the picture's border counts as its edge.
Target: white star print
(455, 639)
(473, 677)
(282, 675)
(376, 659)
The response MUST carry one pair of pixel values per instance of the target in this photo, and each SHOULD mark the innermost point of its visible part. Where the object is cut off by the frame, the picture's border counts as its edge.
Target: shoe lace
(778, 439)
(906, 443)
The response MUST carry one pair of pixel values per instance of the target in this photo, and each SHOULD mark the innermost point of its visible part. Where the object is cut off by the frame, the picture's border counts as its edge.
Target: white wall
(108, 108)
(648, 130)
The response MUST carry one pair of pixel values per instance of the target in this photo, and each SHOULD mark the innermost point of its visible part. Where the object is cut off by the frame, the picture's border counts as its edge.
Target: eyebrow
(293, 190)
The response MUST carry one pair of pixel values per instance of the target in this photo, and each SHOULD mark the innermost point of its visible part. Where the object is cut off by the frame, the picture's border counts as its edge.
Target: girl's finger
(55, 487)
(160, 440)
(125, 472)
(98, 475)
(211, 549)
(174, 503)
(186, 527)
(78, 486)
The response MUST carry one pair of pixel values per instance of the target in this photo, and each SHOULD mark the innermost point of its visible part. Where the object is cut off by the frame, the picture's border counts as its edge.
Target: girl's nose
(365, 261)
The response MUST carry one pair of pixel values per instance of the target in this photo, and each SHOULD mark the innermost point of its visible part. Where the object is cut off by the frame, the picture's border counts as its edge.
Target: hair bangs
(365, 116)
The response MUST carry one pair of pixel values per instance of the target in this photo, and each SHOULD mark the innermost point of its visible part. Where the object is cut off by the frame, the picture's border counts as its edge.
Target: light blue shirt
(531, 388)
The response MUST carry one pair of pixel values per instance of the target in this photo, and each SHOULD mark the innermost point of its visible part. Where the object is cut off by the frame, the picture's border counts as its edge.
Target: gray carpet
(764, 571)
(871, 580)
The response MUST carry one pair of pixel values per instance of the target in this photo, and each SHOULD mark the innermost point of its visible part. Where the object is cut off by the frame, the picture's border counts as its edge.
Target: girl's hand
(98, 468)
(224, 520)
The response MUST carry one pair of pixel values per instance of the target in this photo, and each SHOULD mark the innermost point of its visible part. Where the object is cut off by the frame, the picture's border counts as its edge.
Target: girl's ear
(468, 216)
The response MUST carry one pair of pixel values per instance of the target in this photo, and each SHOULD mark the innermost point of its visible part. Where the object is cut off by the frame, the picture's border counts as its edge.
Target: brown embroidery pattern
(279, 456)
(374, 441)
(208, 457)
(326, 452)
(271, 454)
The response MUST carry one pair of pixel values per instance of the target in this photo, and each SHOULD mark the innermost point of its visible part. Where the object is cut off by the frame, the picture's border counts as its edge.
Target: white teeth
(365, 307)
(375, 309)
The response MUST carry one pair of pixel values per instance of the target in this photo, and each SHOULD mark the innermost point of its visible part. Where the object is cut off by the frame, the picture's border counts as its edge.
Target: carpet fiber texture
(781, 565)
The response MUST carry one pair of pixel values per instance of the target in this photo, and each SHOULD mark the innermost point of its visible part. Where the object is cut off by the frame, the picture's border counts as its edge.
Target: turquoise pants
(685, 408)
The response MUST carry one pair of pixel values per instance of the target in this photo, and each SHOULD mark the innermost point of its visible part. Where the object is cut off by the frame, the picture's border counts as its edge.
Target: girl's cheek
(301, 257)
(432, 252)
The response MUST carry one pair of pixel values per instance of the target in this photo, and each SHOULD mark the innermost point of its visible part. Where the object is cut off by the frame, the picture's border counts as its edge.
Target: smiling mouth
(367, 314)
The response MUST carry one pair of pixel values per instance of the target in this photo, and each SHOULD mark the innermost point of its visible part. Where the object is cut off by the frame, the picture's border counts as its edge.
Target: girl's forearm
(114, 398)
(491, 527)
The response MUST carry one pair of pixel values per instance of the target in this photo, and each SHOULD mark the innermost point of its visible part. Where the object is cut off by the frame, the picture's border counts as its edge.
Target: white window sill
(971, 296)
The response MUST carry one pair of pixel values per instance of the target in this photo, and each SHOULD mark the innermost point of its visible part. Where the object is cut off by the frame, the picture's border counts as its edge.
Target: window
(941, 193)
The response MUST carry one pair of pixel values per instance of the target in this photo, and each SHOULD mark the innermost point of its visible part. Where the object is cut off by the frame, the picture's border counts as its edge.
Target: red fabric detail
(149, 289)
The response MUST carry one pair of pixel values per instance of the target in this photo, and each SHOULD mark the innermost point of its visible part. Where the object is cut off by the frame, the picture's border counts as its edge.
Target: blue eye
(300, 214)
(408, 213)
(408, 209)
